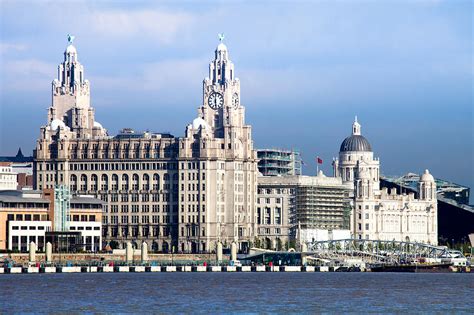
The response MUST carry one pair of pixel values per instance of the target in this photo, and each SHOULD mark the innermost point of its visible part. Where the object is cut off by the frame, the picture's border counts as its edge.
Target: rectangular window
(278, 215)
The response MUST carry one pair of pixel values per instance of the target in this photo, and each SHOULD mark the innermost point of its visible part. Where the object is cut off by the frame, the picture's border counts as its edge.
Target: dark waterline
(237, 292)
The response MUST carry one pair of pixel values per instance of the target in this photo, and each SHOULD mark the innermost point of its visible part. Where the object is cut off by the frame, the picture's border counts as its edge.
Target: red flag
(319, 160)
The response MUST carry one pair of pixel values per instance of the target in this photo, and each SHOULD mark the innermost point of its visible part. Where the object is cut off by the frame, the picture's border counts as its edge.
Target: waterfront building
(8, 178)
(355, 154)
(176, 193)
(296, 208)
(444, 188)
(276, 162)
(27, 216)
(22, 166)
(378, 214)
(455, 217)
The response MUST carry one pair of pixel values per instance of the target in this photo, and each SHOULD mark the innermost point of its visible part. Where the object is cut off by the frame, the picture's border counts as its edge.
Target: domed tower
(355, 155)
(71, 97)
(221, 107)
(427, 186)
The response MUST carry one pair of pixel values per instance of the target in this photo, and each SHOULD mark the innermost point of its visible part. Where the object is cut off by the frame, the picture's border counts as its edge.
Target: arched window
(83, 182)
(135, 182)
(73, 183)
(167, 177)
(115, 182)
(146, 182)
(94, 182)
(104, 182)
(156, 182)
(124, 182)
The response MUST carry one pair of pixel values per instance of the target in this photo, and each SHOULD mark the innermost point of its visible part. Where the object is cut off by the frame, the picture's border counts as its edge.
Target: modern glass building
(276, 162)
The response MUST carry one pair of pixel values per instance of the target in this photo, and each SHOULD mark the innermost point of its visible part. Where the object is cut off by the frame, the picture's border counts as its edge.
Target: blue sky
(405, 68)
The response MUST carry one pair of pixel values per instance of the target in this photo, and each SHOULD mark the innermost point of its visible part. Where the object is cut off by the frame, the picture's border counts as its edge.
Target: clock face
(215, 100)
(235, 100)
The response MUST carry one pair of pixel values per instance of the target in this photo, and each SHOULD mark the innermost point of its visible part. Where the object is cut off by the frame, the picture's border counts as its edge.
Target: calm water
(237, 292)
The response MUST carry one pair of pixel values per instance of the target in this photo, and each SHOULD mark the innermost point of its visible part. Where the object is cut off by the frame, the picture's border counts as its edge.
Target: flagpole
(317, 166)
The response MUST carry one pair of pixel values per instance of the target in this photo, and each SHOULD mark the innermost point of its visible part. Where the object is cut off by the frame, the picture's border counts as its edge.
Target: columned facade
(176, 193)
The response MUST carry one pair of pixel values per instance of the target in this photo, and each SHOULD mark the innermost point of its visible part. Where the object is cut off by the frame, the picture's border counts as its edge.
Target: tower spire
(356, 127)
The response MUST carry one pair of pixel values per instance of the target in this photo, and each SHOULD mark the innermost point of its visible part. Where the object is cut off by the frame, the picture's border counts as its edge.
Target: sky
(405, 68)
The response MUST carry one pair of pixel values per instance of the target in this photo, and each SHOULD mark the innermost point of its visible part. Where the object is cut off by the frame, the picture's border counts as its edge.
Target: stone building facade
(8, 178)
(176, 193)
(291, 206)
(378, 214)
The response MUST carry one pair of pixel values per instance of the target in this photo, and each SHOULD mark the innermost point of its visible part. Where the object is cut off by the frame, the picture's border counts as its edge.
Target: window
(366, 215)
(267, 216)
(278, 215)
(367, 226)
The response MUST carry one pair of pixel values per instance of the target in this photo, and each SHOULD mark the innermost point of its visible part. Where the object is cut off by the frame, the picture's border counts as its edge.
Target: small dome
(199, 122)
(56, 123)
(97, 125)
(427, 177)
(355, 143)
(71, 49)
(221, 47)
(321, 174)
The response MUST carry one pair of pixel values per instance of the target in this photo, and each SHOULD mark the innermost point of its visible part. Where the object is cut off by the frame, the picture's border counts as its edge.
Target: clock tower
(221, 107)
(218, 144)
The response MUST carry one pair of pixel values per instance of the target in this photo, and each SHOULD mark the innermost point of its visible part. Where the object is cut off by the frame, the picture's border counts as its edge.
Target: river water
(237, 293)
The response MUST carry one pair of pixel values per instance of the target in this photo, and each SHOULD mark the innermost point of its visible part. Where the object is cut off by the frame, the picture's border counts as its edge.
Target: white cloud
(26, 75)
(11, 47)
(172, 78)
(159, 25)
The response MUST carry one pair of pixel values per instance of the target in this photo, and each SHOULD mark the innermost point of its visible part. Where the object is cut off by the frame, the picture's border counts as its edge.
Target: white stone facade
(8, 179)
(303, 205)
(182, 194)
(378, 214)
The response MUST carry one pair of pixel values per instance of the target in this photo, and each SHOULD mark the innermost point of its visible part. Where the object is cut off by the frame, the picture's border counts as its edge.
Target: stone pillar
(219, 252)
(304, 248)
(32, 255)
(129, 252)
(144, 252)
(49, 252)
(233, 251)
